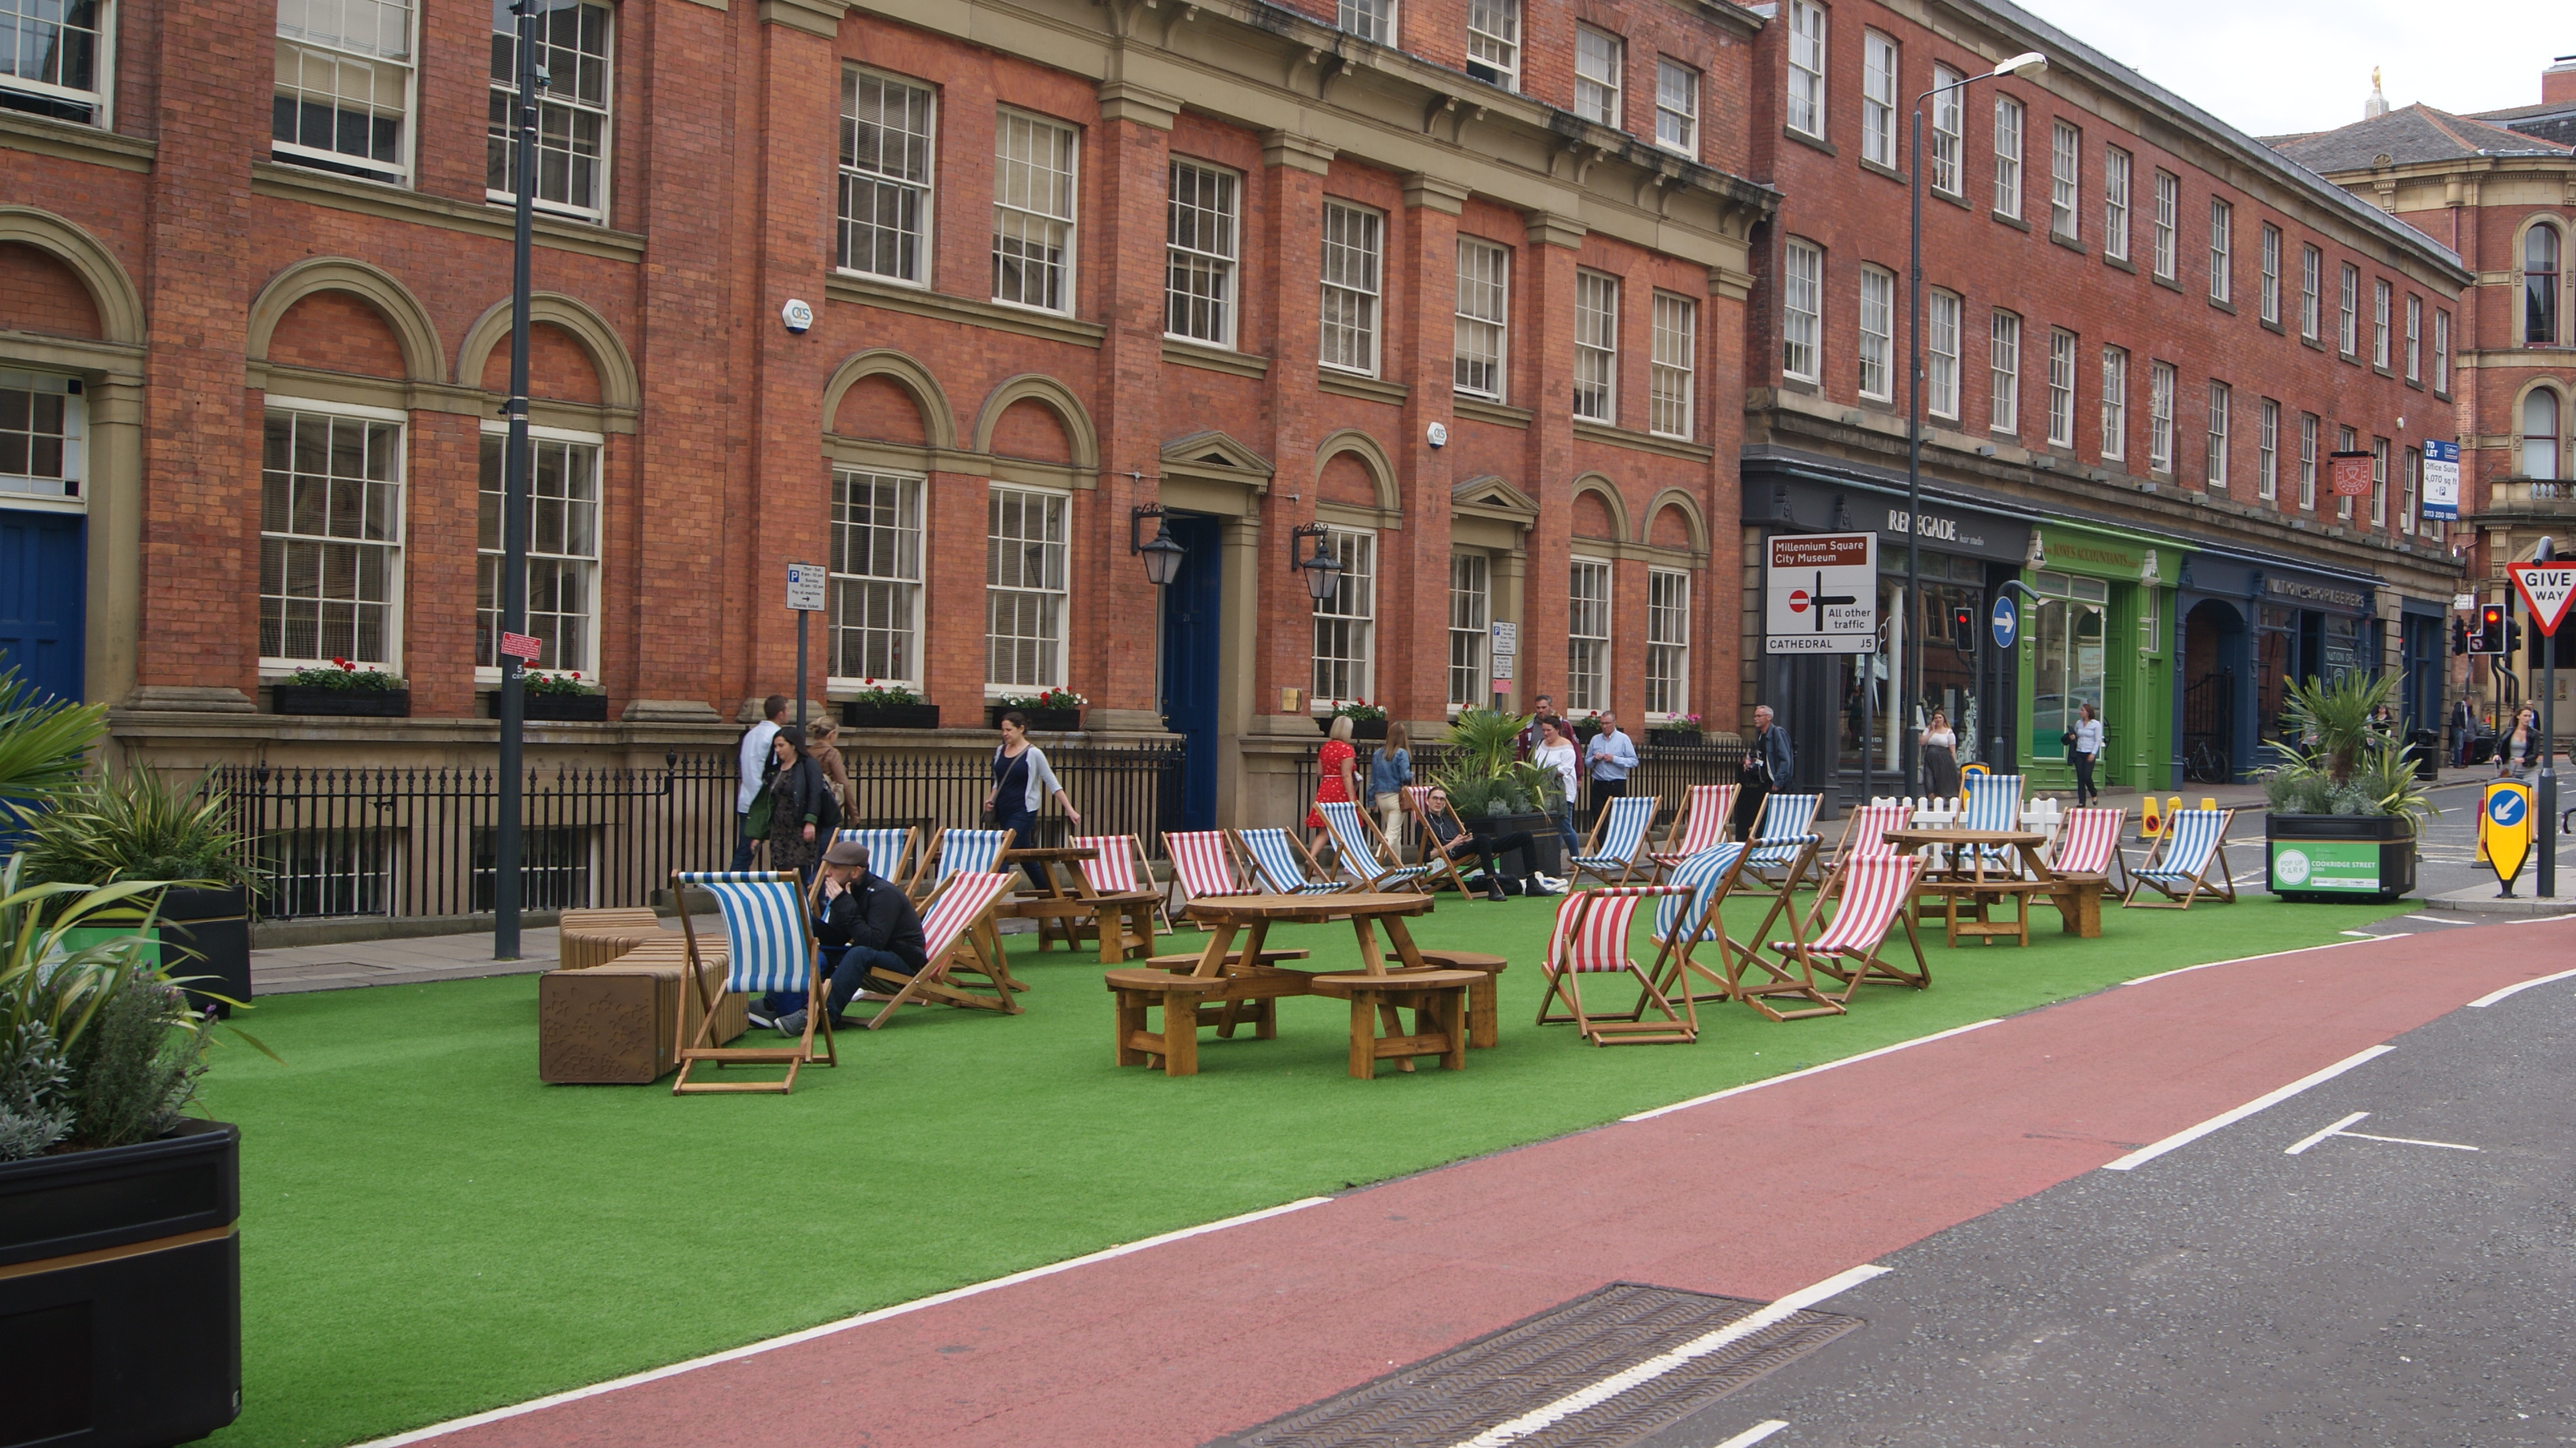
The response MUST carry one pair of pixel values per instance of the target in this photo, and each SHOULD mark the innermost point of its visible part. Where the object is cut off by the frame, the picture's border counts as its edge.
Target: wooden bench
(2078, 899)
(622, 1022)
(1189, 959)
(587, 938)
(1437, 997)
(1484, 1011)
(1139, 989)
(1980, 895)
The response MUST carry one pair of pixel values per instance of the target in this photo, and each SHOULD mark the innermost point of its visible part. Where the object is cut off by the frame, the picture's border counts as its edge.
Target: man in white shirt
(755, 773)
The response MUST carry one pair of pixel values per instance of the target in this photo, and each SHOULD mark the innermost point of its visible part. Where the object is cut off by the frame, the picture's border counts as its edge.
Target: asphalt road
(2360, 1292)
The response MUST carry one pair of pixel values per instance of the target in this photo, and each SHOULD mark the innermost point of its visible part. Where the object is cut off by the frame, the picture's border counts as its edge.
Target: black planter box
(1546, 845)
(1360, 728)
(558, 708)
(135, 1350)
(2338, 857)
(358, 703)
(215, 926)
(1687, 738)
(890, 716)
(1056, 721)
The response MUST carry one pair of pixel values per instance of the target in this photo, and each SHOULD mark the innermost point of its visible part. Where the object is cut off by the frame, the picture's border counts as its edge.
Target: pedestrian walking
(756, 761)
(802, 810)
(1556, 752)
(1768, 761)
(1337, 778)
(1941, 757)
(2083, 752)
(2519, 751)
(823, 746)
(1608, 758)
(1525, 743)
(2464, 732)
(1390, 770)
(1022, 781)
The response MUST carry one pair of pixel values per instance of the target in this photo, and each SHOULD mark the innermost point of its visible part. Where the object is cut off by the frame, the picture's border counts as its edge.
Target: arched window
(2540, 434)
(2540, 287)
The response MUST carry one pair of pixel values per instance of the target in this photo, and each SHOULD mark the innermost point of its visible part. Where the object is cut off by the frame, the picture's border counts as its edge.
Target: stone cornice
(1287, 148)
(68, 142)
(814, 17)
(370, 198)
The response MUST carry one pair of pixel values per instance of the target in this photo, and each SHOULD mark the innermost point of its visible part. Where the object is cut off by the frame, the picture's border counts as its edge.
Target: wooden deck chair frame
(1800, 865)
(973, 947)
(1776, 978)
(1881, 817)
(1851, 964)
(2115, 871)
(2199, 885)
(1685, 837)
(1237, 870)
(1418, 808)
(700, 1045)
(1633, 863)
(1676, 958)
(1598, 920)
(1315, 877)
(1382, 859)
(1143, 866)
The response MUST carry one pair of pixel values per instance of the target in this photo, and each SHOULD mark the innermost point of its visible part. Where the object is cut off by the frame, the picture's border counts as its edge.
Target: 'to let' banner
(2351, 474)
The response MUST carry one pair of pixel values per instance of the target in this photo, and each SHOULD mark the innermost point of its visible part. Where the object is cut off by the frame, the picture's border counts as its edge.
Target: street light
(514, 490)
(1162, 556)
(1323, 571)
(2029, 62)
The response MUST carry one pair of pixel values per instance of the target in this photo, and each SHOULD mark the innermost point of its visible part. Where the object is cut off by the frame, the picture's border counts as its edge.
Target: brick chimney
(2558, 83)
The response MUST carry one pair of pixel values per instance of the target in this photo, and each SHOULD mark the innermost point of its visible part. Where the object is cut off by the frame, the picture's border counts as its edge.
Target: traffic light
(2490, 635)
(1963, 629)
(2460, 637)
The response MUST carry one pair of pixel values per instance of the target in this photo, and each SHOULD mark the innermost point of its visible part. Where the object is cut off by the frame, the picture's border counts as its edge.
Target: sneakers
(792, 1024)
(1538, 886)
(1493, 889)
(760, 1019)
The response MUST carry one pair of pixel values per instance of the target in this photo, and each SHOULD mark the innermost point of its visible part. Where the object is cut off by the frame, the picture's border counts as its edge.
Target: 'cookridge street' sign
(1822, 594)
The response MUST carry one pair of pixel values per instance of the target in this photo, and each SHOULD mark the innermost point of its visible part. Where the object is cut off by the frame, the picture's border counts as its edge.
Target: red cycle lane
(1753, 1196)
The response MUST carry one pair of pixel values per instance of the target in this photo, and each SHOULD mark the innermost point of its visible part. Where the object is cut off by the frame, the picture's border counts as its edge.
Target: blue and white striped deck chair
(1689, 920)
(1284, 865)
(1363, 854)
(2187, 862)
(1784, 840)
(1617, 842)
(960, 852)
(769, 947)
(889, 851)
(1991, 802)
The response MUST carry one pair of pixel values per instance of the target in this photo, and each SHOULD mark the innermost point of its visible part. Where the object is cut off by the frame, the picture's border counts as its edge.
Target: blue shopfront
(2244, 627)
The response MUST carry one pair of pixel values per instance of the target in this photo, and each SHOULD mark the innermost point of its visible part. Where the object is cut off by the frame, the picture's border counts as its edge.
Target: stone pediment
(1489, 496)
(1213, 455)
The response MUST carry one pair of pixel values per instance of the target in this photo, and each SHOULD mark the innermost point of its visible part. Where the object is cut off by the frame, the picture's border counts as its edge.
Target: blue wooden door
(1191, 605)
(43, 580)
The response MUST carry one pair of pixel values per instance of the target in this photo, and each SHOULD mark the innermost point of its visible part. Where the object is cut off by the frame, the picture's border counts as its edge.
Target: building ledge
(68, 142)
(940, 306)
(395, 203)
(1671, 447)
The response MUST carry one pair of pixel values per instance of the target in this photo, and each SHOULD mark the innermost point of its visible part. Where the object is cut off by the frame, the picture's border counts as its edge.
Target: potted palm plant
(341, 687)
(136, 826)
(1497, 793)
(2346, 804)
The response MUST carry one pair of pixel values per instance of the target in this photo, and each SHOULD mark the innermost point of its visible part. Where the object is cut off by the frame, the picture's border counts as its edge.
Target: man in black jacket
(864, 923)
(1767, 763)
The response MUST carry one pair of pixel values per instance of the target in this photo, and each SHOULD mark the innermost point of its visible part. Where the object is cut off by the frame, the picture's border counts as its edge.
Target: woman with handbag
(2083, 748)
(1021, 782)
(801, 809)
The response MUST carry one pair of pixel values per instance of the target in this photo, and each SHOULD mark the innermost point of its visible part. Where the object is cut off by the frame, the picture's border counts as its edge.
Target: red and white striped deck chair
(954, 943)
(1864, 838)
(1205, 866)
(2088, 844)
(1875, 893)
(1417, 813)
(1118, 867)
(1591, 938)
(1700, 826)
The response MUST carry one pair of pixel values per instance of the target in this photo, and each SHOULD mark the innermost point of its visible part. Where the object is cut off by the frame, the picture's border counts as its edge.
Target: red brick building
(2500, 187)
(2144, 334)
(1064, 261)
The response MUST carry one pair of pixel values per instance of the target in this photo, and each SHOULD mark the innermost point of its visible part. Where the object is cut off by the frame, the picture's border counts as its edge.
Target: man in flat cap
(863, 922)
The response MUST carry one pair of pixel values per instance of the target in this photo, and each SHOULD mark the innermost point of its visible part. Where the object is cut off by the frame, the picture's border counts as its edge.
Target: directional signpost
(805, 595)
(1822, 594)
(2504, 830)
(2546, 586)
(2007, 621)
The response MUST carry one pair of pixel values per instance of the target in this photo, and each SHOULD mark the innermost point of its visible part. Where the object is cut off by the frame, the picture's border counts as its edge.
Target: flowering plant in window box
(887, 706)
(1368, 721)
(1679, 729)
(343, 688)
(557, 696)
(1057, 709)
(566, 684)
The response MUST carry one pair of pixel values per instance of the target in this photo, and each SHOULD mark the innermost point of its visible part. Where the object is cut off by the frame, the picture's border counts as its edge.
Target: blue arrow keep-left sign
(2007, 622)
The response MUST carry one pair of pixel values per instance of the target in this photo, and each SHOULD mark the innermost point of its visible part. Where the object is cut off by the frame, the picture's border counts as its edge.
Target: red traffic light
(2491, 629)
(1963, 629)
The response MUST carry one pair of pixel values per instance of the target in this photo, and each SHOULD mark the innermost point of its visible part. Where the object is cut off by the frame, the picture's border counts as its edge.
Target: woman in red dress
(1336, 776)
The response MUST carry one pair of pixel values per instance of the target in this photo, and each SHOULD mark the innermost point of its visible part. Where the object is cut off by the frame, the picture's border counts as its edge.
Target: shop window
(2067, 657)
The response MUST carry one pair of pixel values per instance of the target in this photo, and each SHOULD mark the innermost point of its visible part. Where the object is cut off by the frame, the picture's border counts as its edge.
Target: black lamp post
(514, 493)
(2029, 62)
(1323, 571)
(1163, 555)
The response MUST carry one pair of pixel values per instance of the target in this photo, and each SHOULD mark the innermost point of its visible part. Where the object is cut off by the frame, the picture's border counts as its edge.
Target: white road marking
(1755, 1434)
(1655, 1367)
(2338, 1130)
(2491, 997)
(2436, 920)
(2225, 1119)
(458, 1425)
(1810, 1071)
(2240, 960)
(2366, 934)
(2540, 919)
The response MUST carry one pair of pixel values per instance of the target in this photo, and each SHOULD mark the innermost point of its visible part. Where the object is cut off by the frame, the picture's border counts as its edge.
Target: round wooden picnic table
(1226, 914)
(1121, 920)
(1974, 885)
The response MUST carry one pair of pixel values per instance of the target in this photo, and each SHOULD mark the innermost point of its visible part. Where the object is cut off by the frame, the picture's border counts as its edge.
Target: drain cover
(1446, 1400)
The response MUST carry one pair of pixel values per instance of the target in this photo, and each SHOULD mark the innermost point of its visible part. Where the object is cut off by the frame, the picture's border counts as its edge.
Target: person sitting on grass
(864, 922)
(1453, 844)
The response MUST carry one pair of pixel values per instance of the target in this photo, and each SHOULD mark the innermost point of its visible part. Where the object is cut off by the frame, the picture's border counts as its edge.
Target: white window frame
(2003, 373)
(1600, 76)
(2348, 313)
(2441, 352)
(1879, 69)
(2267, 454)
(897, 573)
(2161, 381)
(1353, 275)
(2312, 283)
(1471, 618)
(1482, 337)
(2411, 480)
(1667, 643)
(2066, 180)
(2213, 458)
(2271, 298)
(1807, 27)
(333, 52)
(1051, 565)
(1676, 106)
(1877, 350)
(1596, 347)
(1021, 211)
(561, 98)
(1494, 42)
(1371, 20)
(2382, 305)
(1672, 373)
(2163, 226)
(2414, 338)
(2379, 448)
(2222, 246)
(2310, 429)
(2115, 404)
(2008, 142)
(1353, 610)
(588, 663)
(2062, 347)
(2116, 168)
(1941, 355)
(1215, 308)
(67, 484)
(899, 185)
(97, 98)
(1802, 311)
(278, 665)
(1591, 585)
(1949, 131)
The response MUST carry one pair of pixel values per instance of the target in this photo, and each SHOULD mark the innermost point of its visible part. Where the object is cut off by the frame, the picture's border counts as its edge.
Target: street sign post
(2006, 622)
(2505, 820)
(1821, 594)
(805, 595)
(2546, 585)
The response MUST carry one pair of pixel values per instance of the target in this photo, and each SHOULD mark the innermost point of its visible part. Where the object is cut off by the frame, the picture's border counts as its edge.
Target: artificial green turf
(427, 1231)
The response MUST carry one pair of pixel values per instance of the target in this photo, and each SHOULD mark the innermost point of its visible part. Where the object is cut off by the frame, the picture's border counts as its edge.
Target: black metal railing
(420, 841)
(1665, 769)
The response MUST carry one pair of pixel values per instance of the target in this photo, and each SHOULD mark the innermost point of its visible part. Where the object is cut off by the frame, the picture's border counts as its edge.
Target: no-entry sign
(2545, 589)
(1821, 594)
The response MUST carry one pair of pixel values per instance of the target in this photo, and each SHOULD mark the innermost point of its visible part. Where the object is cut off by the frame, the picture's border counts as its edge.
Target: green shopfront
(2097, 636)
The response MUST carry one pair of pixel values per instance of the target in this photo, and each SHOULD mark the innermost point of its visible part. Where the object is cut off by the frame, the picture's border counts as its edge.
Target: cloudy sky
(2271, 66)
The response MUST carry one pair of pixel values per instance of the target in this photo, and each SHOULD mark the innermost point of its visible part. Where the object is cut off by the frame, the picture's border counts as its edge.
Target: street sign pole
(805, 584)
(514, 498)
(2545, 586)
